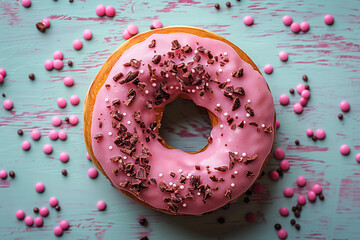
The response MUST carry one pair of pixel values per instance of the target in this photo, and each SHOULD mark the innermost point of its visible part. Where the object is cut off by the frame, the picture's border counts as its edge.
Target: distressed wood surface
(329, 55)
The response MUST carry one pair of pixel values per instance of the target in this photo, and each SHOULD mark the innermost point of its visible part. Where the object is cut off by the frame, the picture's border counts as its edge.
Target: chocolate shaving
(239, 91)
(249, 174)
(241, 124)
(175, 45)
(153, 180)
(118, 76)
(197, 167)
(116, 102)
(116, 115)
(40, 26)
(213, 178)
(172, 208)
(251, 159)
(268, 129)
(221, 168)
(137, 117)
(98, 137)
(131, 96)
(124, 183)
(249, 110)
(130, 76)
(200, 69)
(156, 59)
(171, 54)
(197, 58)
(195, 181)
(201, 49)
(186, 49)
(210, 61)
(229, 92)
(209, 54)
(228, 193)
(135, 63)
(236, 104)
(182, 179)
(152, 44)
(172, 174)
(222, 85)
(232, 160)
(239, 73)
(149, 104)
(140, 173)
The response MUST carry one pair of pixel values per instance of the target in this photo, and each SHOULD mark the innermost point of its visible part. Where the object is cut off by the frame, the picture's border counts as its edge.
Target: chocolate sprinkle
(251, 159)
(305, 78)
(143, 222)
(239, 73)
(249, 110)
(228, 193)
(135, 63)
(40, 26)
(118, 76)
(156, 59)
(12, 174)
(20, 132)
(197, 58)
(277, 226)
(130, 77)
(70, 63)
(32, 76)
(292, 221)
(297, 226)
(64, 172)
(236, 104)
(217, 6)
(186, 49)
(340, 116)
(221, 168)
(36, 210)
(153, 43)
(175, 45)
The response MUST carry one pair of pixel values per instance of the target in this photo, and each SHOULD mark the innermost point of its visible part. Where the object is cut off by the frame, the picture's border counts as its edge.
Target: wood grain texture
(329, 55)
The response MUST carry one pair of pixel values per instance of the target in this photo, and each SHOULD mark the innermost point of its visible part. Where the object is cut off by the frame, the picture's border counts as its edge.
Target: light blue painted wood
(330, 55)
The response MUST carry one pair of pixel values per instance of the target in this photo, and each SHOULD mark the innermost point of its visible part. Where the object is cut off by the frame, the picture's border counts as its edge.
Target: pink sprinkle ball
(287, 20)
(284, 212)
(288, 192)
(300, 87)
(73, 120)
(126, 34)
(274, 175)
(282, 234)
(248, 20)
(44, 211)
(285, 165)
(39, 221)
(77, 44)
(110, 11)
(49, 65)
(320, 134)
(157, 24)
(301, 181)
(88, 156)
(56, 121)
(345, 106)
(29, 221)
(26, 3)
(8, 104)
(47, 148)
(295, 27)
(46, 22)
(58, 55)
(61, 102)
(53, 201)
(303, 101)
(100, 10)
(64, 224)
(258, 188)
(53, 135)
(316, 188)
(279, 154)
(39, 187)
(305, 94)
(58, 231)
(101, 205)
(301, 200)
(58, 64)
(298, 108)
(132, 29)
(64, 157)
(20, 214)
(62, 135)
(309, 132)
(357, 157)
(1, 78)
(87, 34)
(92, 173)
(68, 81)
(284, 99)
(304, 26)
(329, 19)
(283, 56)
(277, 123)
(344, 149)
(311, 196)
(268, 69)
(25, 145)
(74, 100)
(250, 217)
(2, 72)
(3, 174)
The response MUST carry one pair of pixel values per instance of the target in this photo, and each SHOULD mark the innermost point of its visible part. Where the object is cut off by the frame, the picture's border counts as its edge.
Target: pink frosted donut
(62, 135)
(101, 205)
(58, 64)
(58, 55)
(68, 81)
(25, 145)
(74, 100)
(135, 81)
(46, 22)
(329, 19)
(110, 11)
(8, 104)
(20, 214)
(49, 65)
(248, 20)
(287, 20)
(295, 27)
(100, 10)
(283, 56)
(77, 44)
(53, 135)
(87, 34)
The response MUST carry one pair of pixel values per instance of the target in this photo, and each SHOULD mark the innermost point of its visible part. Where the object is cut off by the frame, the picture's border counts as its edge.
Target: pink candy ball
(88, 156)
(277, 123)
(284, 99)
(39, 187)
(258, 188)
(283, 56)
(309, 132)
(298, 108)
(282, 234)
(68, 81)
(29, 221)
(345, 106)
(295, 27)
(47, 148)
(58, 55)
(157, 24)
(285, 165)
(20, 214)
(284, 212)
(61, 102)
(49, 65)
(64, 157)
(248, 20)
(100, 10)
(304, 26)
(344, 149)
(25, 145)
(56, 121)
(73, 120)
(39, 221)
(58, 231)
(74, 100)
(64, 224)
(101, 205)
(357, 157)
(92, 173)
(305, 94)
(287, 20)
(132, 29)
(301, 181)
(62, 135)
(274, 175)
(320, 134)
(311, 196)
(53, 201)
(250, 217)
(110, 11)
(301, 200)
(53, 135)
(300, 87)
(46, 22)
(8, 104)
(26, 3)
(44, 211)
(268, 69)
(288, 192)
(1, 78)
(279, 153)
(3, 174)
(316, 188)
(35, 135)
(2, 72)
(303, 101)
(87, 34)
(329, 19)
(58, 64)
(77, 44)
(126, 34)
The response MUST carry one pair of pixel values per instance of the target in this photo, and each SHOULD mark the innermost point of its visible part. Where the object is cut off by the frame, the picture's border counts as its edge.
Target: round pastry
(125, 103)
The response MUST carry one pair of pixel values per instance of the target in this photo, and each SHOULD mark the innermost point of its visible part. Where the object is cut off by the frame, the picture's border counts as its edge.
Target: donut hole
(185, 126)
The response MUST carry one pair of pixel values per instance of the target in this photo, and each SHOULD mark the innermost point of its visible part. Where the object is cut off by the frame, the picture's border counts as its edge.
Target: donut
(125, 103)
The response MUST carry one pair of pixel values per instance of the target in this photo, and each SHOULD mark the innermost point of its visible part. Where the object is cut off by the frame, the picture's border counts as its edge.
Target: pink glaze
(64, 224)
(344, 149)
(282, 234)
(25, 145)
(46, 22)
(298, 108)
(284, 99)
(3, 174)
(301, 200)
(303, 101)
(26, 3)
(35, 135)
(58, 64)
(40, 187)
(73, 120)
(301, 181)
(101, 205)
(274, 175)
(56, 121)
(316, 188)
(58, 55)
(74, 100)
(300, 87)
(29, 221)
(110, 11)
(295, 27)
(126, 34)
(20, 214)
(44, 211)
(100, 10)
(39, 221)
(285, 165)
(62, 135)
(288, 192)
(47, 148)
(64, 157)
(49, 65)
(283, 56)
(250, 217)
(277, 123)
(246, 140)
(53, 135)
(305, 94)
(61, 102)
(287, 20)
(88, 156)
(87, 34)
(157, 24)
(2, 72)
(311, 196)
(92, 172)
(268, 69)
(258, 188)
(304, 26)
(8, 104)
(309, 132)
(53, 201)
(284, 212)
(329, 19)
(68, 81)
(345, 106)
(132, 29)
(58, 231)
(357, 157)
(279, 153)
(248, 20)
(320, 134)
(77, 44)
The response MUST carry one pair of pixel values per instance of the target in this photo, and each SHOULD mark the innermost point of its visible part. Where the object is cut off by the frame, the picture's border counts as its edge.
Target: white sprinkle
(160, 174)
(106, 99)
(125, 157)
(110, 133)
(188, 90)
(141, 71)
(193, 91)
(184, 205)
(197, 87)
(153, 84)
(124, 114)
(232, 185)
(128, 175)
(244, 122)
(110, 147)
(225, 53)
(236, 172)
(146, 91)
(225, 114)
(171, 87)
(243, 154)
(167, 75)
(236, 153)
(180, 170)
(228, 80)
(189, 174)
(263, 125)
(193, 70)
(218, 105)
(174, 185)
(198, 193)
(176, 87)
(247, 115)
(182, 187)
(221, 126)
(170, 183)
(249, 101)
(220, 70)
(128, 122)
(196, 51)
